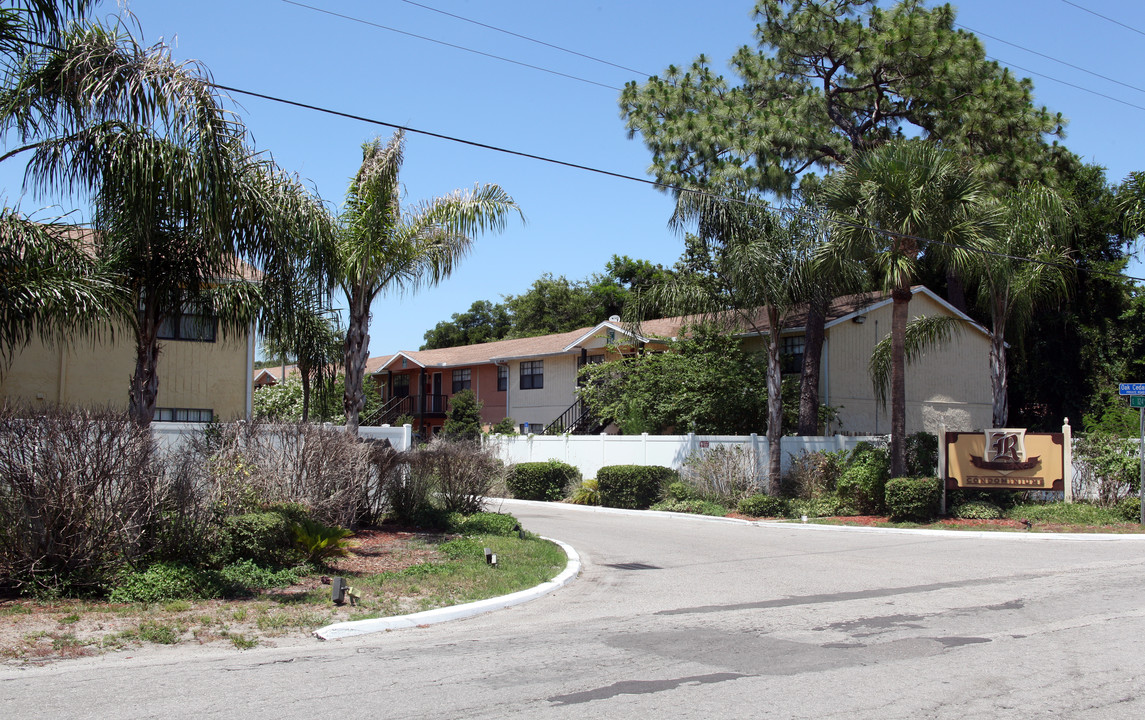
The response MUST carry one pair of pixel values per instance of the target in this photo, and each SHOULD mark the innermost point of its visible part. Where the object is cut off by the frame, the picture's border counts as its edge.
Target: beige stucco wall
(950, 385)
(543, 405)
(97, 374)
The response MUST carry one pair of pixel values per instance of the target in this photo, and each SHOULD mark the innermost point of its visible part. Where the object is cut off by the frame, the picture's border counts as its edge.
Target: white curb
(456, 612)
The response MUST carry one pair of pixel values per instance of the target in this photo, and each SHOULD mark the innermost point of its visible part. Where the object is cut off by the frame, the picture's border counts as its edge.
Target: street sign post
(1136, 393)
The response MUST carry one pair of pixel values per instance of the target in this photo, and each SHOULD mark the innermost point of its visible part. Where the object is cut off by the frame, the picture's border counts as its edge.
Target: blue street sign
(1131, 389)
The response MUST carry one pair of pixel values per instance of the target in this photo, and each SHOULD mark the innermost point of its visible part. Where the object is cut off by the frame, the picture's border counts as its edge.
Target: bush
(408, 496)
(913, 498)
(460, 471)
(1129, 509)
(541, 480)
(463, 420)
(265, 538)
(1110, 467)
(632, 486)
(763, 506)
(81, 495)
(505, 426)
(176, 581)
(1077, 513)
(694, 507)
(319, 542)
(815, 474)
(587, 494)
(978, 510)
(723, 472)
(484, 523)
(863, 482)
(680, 490)
(921, 454)
(826, 506)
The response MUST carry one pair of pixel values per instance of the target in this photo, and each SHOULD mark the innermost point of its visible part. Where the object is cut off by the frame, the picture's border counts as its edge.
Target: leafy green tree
(831, 78)
(901, 200)
(463, 421)
(553, 305)
(381, 248)
(705, 384)
(1026, 264)
(483, 322)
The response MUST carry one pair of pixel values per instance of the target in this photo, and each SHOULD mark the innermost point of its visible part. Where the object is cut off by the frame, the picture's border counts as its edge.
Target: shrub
(921, 454)
(723, 472)
(863, 482)
(505, 426)
(1129, 509)
(319, 542)
(978, 510)
(815, 474)
(763, 506)
(680, 490)
(463, 421)
(80, 498)
(826, 506)
(460, 471)
(694, 507)
(632, 486)
(587, 494)
(540, 480)
(264, 538)
(1077, 513)
(485, 523)
(169, 581)
(913, 498)
(1110, 467)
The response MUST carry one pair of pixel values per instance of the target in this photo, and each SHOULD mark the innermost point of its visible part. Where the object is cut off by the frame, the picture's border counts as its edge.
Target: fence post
(1067, 461)
(644, 447)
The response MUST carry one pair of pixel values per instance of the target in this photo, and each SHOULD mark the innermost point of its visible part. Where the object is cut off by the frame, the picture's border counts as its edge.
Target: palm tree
(380, 248)
(313, 340)
(179, 199)
(1025, 263)
(752, 261)
(896, 203)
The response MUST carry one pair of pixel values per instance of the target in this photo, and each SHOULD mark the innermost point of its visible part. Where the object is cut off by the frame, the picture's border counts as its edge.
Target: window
(532, 374)
(502, 378)
(791, 354)
(401, 385)
(461, 380)
(200, 415)
(188, 326)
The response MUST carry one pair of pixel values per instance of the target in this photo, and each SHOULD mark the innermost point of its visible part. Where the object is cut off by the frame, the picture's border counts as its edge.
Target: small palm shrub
(634, 487)
(587, 494)
(320, 543)
(541, 480)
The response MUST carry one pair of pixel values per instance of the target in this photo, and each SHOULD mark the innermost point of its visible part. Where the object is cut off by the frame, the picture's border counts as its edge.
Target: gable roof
(842, 308)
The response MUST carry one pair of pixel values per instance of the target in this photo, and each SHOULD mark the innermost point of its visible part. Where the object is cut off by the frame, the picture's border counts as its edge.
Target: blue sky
(575, 220)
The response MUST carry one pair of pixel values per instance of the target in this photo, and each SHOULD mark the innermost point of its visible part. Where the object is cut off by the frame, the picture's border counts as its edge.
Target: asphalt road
(676, 617)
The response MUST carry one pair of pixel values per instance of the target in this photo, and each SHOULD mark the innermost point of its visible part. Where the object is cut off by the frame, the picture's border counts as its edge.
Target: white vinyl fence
(173, 435)
(589, 453)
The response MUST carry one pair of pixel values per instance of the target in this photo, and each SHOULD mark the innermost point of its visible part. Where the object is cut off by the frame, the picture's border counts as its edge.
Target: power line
(653, 183)
(351, 18)
(1069, 84)
(1050, 57)
(526, 37)
(1104, 17)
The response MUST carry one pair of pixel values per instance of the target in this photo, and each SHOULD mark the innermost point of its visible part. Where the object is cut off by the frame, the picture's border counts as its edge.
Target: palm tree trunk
(998, 376)
(899, 311)
(144, 391)
(357, 350)
(304, 371)
(812, 355)
(774, 404)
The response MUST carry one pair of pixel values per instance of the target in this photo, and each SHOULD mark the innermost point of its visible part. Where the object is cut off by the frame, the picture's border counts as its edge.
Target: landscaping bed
(397, 570)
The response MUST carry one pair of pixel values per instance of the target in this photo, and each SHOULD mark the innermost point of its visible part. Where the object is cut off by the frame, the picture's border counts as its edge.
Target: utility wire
(1050, 57)
(660, 185)
(1068, 84)
(351, 18)
(1104, 17)
(526, 37)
